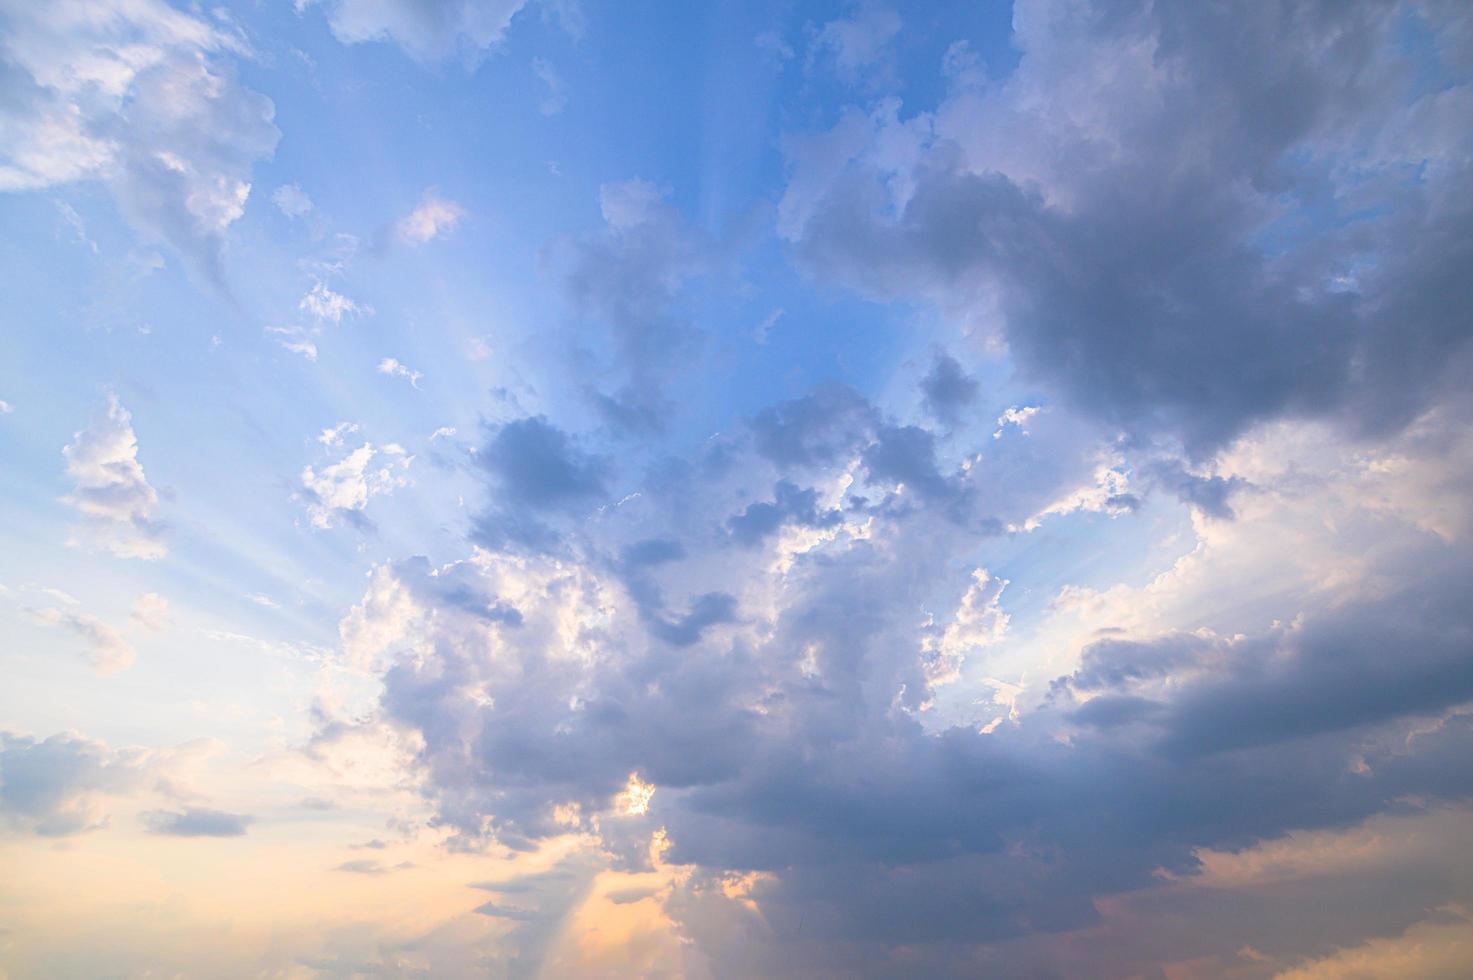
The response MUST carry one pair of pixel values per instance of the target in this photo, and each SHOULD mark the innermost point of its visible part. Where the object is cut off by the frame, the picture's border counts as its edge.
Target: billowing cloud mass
(765, 634)
(877, 491)
(1112, 210)
(116, 502)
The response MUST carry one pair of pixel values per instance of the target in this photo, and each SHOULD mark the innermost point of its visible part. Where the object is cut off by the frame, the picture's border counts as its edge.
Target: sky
(546, 488)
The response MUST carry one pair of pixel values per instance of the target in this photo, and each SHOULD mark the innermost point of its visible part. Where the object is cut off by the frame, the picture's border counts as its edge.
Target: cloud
(623, 284)
(795, 677)
(108, 651)
(142, 97)
(538, 471)
(434, 217)
(764, 327)
(858, 46)
(947, 389)
(428, 30)
(291, 200)
(362, 866)
(1162, 273)
(196, 822)
(333, 437)
(555, 100)
(151, 612)
(394, 369)
(295, 340)
(340, 491)
(321, 303)
(324, 306)
(790, 505)
(56, 787)
(117, 504)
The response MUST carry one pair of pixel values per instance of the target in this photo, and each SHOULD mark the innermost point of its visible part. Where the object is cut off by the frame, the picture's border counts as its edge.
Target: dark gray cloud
(536, 465)
(536, 471)
(790, 504)
(947, 389)
(793, 741)
(814, 429)
(1187, 274)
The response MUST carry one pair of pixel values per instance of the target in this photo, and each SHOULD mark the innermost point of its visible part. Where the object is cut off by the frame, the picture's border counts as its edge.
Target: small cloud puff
(291, 200)
(151, 612)
(434, 217)
(396, 369)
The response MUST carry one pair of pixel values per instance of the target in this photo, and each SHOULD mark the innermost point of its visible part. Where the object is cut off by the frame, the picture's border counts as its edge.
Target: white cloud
(296, 340)
(345, 487)
(334, 436)
(857, 44)
(151, 612)
(114, 497)
(1015, 416)
(395, 369)
(5, 407)
(324, 304)
(106, 648)
(291, 200)
(979, 621)
(133, 93)
(429, 30)
(433, 218)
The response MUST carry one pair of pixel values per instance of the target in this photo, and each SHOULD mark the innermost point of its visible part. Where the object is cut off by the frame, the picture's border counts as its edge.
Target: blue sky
(551, 488)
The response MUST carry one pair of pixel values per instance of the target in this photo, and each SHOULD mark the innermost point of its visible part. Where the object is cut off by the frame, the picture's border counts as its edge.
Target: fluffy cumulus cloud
(118, 505)
(142, 96)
